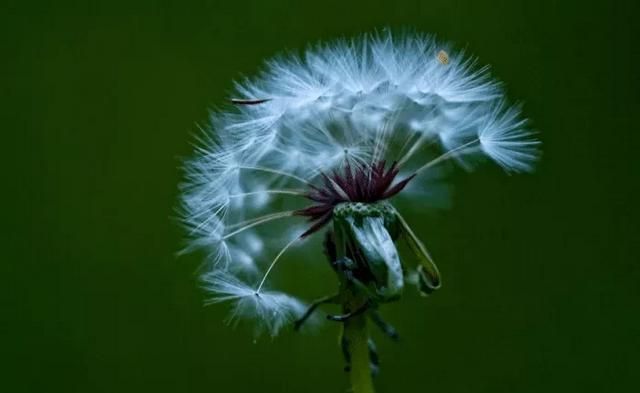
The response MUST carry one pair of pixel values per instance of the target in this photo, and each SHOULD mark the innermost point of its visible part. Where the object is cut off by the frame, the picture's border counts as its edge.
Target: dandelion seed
(443, 57)
(273, 310)
(248, 102)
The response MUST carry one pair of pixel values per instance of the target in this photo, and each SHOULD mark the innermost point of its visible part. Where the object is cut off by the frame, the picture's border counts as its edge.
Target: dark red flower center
(366, 184)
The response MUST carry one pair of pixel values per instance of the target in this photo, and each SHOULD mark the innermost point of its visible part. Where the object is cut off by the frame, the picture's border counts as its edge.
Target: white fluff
(378, 96)
(274, 310)
(505, 139)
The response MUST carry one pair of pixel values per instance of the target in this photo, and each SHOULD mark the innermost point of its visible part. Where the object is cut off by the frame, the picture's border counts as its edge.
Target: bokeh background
(99, 102)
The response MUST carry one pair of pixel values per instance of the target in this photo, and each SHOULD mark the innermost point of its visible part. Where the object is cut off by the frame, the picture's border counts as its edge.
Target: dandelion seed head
(357, 120)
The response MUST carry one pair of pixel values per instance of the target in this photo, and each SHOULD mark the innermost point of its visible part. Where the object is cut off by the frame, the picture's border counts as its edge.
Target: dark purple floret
(367, 184)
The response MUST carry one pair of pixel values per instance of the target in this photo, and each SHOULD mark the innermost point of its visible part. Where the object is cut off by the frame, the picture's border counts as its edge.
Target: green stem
(355, 330)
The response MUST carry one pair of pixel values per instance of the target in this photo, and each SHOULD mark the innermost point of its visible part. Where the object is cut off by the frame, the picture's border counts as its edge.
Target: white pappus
(335, 124)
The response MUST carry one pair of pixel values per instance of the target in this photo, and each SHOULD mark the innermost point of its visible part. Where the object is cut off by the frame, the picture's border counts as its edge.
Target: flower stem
(356, 333)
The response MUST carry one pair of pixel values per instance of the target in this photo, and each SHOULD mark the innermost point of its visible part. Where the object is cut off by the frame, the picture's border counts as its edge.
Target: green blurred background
(99, 102)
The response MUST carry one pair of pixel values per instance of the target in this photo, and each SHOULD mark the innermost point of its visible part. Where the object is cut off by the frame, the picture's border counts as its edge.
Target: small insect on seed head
(443, 57)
